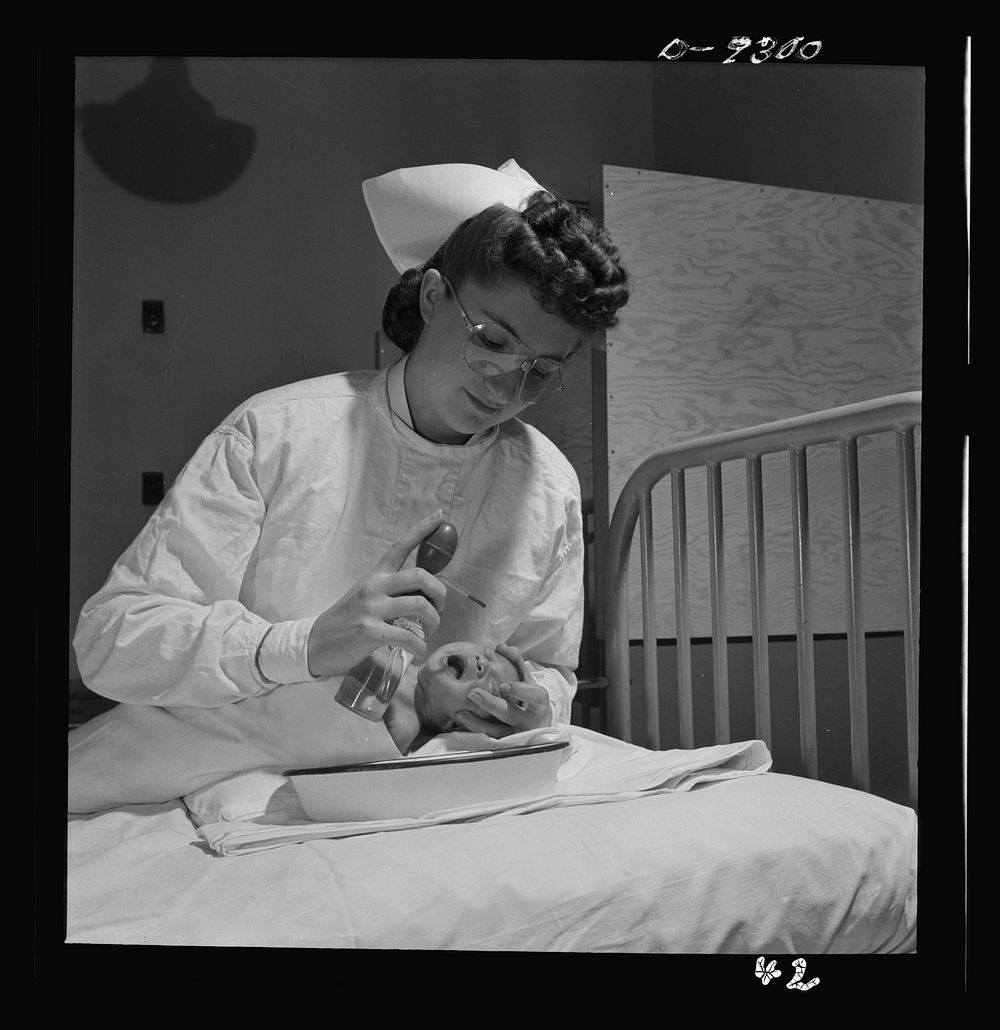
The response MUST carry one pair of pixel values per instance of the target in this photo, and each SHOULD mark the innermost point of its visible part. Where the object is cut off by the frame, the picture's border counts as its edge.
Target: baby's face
(445, 679)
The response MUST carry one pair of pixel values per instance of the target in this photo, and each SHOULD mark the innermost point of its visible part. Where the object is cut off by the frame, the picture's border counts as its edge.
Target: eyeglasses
(493, 351)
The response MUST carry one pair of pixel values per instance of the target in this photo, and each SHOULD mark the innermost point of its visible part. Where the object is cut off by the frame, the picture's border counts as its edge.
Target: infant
(441, 687)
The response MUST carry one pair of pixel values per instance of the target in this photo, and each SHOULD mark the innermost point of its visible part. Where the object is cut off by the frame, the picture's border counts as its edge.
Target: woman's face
(450, 402)
(447, 676)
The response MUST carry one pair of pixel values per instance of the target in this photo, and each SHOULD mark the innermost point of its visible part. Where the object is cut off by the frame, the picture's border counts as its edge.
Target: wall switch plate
(152, 487)
(152, 316)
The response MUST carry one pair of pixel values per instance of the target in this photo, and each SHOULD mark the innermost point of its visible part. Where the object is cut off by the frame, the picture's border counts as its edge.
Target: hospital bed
(737, 858)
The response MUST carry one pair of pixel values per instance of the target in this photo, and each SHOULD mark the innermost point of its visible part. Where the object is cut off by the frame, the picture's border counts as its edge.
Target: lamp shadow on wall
(162, 141)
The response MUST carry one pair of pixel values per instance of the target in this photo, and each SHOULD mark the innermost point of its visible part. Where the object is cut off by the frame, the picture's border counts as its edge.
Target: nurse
(283, 551)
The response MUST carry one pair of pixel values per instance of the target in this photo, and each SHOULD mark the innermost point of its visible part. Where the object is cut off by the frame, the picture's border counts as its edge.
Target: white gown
(280, 512)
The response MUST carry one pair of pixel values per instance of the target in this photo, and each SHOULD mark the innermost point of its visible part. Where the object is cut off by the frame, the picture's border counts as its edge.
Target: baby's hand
(513, 655)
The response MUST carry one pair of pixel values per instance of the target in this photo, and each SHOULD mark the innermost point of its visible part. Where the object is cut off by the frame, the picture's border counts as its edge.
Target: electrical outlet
(152, 316)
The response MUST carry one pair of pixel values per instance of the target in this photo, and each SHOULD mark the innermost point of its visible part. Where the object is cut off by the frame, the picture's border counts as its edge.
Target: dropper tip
(462, 590)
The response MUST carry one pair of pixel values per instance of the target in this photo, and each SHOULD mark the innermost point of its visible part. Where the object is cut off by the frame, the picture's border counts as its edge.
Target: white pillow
(141, 754)
(260, 795)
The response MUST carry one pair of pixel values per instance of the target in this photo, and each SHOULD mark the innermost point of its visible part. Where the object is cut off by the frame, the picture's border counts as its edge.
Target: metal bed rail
(900, 414)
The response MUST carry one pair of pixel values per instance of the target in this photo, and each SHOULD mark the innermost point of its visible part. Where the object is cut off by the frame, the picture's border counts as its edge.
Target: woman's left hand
(520, 706)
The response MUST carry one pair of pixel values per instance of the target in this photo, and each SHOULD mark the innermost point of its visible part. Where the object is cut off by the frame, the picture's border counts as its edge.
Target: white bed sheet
(596, 770)
(767, 863)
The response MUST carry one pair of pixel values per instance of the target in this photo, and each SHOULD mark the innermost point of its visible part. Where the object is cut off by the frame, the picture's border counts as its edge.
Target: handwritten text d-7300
(677, 48)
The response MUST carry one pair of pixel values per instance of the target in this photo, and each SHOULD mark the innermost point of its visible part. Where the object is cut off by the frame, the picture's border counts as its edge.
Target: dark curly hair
(569, 262)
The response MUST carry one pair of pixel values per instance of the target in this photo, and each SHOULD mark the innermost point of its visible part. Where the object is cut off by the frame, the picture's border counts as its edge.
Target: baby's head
(446, 677)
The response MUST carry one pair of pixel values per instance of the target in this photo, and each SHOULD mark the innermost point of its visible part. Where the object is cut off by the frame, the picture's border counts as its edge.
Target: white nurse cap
(414, 210)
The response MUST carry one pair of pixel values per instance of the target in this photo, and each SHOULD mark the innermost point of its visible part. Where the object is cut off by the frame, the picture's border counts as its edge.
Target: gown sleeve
(167, 628)
(549, 636)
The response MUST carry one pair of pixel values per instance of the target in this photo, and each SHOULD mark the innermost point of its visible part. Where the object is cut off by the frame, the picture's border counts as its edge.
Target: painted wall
(855, 130)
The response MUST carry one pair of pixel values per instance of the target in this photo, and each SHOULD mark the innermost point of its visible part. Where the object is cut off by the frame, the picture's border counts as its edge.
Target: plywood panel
(752, 303)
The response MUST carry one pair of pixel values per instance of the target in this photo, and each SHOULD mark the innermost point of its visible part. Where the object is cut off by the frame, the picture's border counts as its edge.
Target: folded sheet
(597, 770)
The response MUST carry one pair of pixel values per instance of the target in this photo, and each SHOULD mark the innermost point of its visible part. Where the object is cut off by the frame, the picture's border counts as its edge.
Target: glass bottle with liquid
(369, 687)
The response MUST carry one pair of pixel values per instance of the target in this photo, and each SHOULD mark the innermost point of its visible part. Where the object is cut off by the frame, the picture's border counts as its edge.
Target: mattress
(765, 863)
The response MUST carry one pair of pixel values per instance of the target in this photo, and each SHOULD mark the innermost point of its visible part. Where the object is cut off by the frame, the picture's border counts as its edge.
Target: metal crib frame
(899, 413)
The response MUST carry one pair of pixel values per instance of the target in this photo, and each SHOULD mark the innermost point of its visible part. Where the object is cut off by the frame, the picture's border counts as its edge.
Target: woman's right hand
(361, 621)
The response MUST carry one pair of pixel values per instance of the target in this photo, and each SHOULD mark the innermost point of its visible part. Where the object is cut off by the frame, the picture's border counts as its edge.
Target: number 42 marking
(770, 972)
